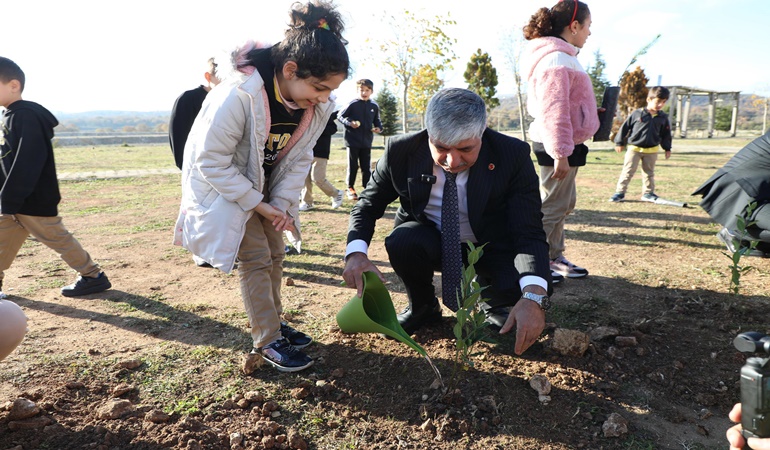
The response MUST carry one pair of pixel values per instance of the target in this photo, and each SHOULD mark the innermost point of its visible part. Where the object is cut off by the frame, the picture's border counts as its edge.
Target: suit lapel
(479, 184)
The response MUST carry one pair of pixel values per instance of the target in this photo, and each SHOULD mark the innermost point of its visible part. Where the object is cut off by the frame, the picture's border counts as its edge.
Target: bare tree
(414, 42)
(512, 46)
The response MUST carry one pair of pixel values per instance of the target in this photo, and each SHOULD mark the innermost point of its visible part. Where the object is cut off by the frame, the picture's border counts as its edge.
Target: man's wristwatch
(542, 300)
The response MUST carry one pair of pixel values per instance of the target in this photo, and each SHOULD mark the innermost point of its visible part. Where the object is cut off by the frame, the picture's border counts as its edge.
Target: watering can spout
(373, 313)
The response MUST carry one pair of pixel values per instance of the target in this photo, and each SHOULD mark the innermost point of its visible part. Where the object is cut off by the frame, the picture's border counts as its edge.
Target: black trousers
(414, 251)
(363, 157)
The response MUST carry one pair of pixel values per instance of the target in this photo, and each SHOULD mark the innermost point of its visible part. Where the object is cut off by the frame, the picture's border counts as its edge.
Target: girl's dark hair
(552, 22)
(314, 41)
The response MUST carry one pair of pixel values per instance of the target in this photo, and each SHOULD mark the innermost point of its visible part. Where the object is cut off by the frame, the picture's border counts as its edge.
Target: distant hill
(504, 117)
(113, 121)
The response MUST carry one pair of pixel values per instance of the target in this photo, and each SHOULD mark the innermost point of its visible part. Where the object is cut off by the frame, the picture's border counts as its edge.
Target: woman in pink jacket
(561, 99)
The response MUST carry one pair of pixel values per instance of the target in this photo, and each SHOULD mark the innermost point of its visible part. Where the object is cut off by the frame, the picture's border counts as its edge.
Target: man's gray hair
(454, 115)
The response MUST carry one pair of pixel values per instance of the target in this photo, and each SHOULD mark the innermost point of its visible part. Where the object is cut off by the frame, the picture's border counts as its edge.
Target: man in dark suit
(744, 179)
(499, 205)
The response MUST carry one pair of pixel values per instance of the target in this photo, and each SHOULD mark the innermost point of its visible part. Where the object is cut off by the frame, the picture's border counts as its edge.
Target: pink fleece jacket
(560, 97)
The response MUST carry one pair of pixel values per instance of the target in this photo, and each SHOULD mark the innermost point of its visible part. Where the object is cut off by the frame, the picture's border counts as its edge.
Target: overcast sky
(139, 55)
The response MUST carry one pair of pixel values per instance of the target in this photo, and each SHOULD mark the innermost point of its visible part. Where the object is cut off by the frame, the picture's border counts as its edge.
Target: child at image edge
(246, 160)
(29, 188)
(646, 130)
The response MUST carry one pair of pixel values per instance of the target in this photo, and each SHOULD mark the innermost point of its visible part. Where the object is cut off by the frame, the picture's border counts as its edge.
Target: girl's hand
(280, 220)
(560, 168)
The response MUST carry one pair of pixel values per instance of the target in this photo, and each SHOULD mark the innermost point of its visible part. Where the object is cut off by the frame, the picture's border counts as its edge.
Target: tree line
(419, 51)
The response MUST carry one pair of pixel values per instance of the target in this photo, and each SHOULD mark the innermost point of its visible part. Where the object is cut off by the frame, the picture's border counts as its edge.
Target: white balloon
(13, 326)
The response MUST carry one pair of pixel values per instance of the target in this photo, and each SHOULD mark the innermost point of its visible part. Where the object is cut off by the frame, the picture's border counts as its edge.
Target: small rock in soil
(254, 396)
(129, 364)
(600, 333)
(295, 441)
(157, 416)
(29, 424)
(121, 389)
(570, 342)
(114, 409)
(23, 409)
(251, 362)
(615, 426)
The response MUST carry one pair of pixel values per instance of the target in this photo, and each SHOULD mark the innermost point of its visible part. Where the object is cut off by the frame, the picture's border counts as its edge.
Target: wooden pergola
(681, 97)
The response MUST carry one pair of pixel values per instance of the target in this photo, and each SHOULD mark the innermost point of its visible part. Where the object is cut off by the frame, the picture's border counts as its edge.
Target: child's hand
(376, 129)
(280, 220)
(355, 124)
(619, 148)
(668, 154)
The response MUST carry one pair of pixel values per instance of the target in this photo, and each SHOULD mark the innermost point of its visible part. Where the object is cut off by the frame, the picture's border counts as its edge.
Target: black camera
(755, 384)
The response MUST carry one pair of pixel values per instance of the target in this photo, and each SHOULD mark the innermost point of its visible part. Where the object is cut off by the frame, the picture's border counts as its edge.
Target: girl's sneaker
(284, 356)
(296, 338)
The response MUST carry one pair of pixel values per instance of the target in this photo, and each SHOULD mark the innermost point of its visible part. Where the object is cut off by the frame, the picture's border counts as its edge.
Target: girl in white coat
(246, 159)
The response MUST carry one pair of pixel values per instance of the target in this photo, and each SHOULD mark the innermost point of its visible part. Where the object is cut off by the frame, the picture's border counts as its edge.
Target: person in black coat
(744, 179)
(186, 107)
(317, 174)
(499, 205)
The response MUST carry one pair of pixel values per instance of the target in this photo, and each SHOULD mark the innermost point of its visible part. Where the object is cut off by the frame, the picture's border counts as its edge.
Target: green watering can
(374, 313)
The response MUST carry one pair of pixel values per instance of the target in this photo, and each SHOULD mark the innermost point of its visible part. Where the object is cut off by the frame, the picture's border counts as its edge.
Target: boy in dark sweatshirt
(646, 130)
(29, 188)
(361, 119)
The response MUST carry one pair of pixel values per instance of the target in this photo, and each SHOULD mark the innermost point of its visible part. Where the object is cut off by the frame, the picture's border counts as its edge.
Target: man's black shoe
(729, 240)
(411, 320)
(496, 316)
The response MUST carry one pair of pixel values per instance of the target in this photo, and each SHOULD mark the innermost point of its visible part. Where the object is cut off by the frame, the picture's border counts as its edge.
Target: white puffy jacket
(222, 175)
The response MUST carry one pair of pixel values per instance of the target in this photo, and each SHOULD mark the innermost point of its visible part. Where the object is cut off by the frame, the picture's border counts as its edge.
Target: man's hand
(735, 438)
(560, 168)
(619, 148)
(668, 154)
(281, 221)
(376, 129)
(529, 320)
(355, 265)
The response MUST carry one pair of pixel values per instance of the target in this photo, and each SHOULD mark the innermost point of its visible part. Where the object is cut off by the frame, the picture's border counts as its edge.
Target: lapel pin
(491, 167)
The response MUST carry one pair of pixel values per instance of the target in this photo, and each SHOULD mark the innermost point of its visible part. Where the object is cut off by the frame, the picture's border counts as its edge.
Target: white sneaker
(565, 268)
(305, 207)
(337, 200)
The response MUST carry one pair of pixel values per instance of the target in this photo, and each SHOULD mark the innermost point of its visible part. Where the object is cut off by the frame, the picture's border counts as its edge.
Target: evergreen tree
(598, 80)
(481, 77)
(388, 104)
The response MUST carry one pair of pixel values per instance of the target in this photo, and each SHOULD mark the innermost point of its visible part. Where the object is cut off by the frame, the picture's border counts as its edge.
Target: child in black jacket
(646, 130)
(29, 189)
(361, 119)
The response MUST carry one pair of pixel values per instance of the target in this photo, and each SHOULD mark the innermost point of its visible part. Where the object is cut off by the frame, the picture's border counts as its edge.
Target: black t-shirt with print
(282, 122)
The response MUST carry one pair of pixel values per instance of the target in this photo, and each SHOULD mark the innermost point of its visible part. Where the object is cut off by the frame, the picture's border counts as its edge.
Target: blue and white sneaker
(284, 356)
(296, 338)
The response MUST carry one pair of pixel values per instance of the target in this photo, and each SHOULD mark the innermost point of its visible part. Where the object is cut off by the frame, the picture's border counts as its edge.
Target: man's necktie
(451, 250)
